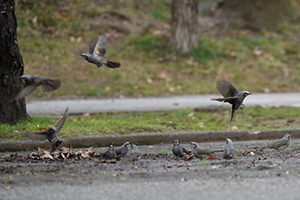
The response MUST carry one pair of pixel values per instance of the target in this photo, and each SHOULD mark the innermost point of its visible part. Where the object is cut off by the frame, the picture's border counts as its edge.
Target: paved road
(154, 104)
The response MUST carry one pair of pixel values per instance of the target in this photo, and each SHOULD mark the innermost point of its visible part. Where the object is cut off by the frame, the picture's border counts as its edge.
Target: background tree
(11, 66)
(258, 14)
(184, 34)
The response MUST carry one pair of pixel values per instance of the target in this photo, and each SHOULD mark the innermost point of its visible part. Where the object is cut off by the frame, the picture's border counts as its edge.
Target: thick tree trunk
(11, 66)
(184, 34)
(258, 14)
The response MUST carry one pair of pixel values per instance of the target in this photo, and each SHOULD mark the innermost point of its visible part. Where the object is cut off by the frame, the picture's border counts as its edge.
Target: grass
(51, 34)
(251, 119)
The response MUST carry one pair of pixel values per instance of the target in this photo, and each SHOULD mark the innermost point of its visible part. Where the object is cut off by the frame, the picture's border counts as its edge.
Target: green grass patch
(250, 119)
(52, 34)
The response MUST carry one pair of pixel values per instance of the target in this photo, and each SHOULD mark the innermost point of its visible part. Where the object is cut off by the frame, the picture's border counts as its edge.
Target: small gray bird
(51, 134)
(179, 151)
(135, 153)
(123, 150)
(231, 95)
(97, 52)
(110, 153)
(282, 143)
(229, 150)
(199, 152)
(31, 82)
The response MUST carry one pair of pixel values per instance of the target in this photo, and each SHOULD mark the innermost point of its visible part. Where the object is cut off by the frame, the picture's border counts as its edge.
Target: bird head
(111, 147)
(51, 129)
(126, 144)
(194, 144)
(85, 56)
(246, 93)
(25, 78)
(228, 141)
(176, 142)
(288, 136)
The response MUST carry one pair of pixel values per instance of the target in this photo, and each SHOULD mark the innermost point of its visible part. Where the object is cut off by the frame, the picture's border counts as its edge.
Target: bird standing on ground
(231, 95)
(50, 134)
(282, 143)
(123, 150)
(199, 152)
(179, 151)
(229, 150)
(135, 153)
(31, 82)
(110, 153)
(97, 52)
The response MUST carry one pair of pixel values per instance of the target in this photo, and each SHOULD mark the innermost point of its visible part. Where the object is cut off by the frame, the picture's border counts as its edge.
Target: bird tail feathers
(113, 64)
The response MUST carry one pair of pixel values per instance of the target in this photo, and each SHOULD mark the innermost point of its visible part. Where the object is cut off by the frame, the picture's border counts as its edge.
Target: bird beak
(249, 93)
(83, 55)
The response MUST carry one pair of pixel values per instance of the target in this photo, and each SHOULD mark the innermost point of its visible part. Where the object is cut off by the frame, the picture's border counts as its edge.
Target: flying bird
(31, 82)
(179, 151)
(97, 52)
(199, 152)
(229, 150)
(231, 95)
(51, 134)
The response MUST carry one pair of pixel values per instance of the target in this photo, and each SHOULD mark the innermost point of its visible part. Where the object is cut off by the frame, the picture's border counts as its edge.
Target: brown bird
(51, 134)
(31, 82)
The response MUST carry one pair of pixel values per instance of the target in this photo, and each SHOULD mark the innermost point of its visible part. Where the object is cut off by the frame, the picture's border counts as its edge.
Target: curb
(151, 139)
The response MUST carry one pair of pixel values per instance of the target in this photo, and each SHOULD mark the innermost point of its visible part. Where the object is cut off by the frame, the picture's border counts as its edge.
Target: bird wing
(26, 90)
(36, 135)
(186, 151)
(226, 89)
(49, 85)
(92, 45)
(61, 122)
(231, 100)
(100, 47)
(119, 151)
(279, 143)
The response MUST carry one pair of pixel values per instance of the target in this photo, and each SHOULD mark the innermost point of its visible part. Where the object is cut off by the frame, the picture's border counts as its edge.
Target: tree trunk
(11, 66)
(184, 34)
(258, 14)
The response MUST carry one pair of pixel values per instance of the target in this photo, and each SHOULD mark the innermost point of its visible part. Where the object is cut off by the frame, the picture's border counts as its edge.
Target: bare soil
(157, 163)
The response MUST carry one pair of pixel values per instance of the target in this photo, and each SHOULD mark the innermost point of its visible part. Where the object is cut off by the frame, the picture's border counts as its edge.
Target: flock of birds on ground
(96, 56)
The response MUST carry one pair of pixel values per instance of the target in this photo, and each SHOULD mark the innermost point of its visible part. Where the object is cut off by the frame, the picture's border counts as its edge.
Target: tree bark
(184, 34)
(11, 66)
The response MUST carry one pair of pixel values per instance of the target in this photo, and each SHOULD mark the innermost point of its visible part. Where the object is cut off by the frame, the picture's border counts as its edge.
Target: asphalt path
(80, 106)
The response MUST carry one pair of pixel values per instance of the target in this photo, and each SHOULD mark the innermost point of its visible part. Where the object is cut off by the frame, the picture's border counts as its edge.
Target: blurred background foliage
(52, 34)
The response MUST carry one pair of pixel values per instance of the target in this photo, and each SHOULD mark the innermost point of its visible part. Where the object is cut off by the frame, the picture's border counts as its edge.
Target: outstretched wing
(26, 90)
(100, 47)
(61, 122)
(49, 85)
(226, 89)
(36, 135)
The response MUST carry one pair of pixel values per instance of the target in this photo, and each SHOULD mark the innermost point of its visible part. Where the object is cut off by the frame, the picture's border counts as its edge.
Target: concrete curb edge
(151, 139)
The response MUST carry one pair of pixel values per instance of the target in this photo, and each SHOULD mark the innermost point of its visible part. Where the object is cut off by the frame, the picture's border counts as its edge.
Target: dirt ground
(156, 164)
